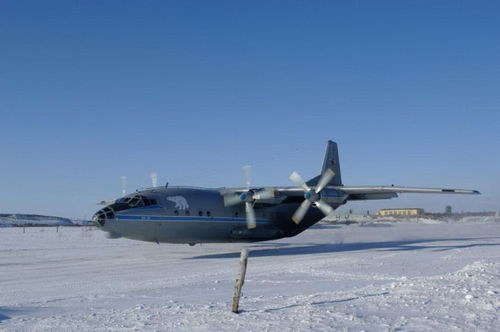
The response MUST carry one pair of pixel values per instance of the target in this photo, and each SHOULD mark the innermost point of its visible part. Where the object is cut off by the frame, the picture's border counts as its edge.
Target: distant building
(448, 209)
(401, 212)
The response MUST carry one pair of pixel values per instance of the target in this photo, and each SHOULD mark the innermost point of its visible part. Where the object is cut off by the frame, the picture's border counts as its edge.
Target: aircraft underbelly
(193, 231)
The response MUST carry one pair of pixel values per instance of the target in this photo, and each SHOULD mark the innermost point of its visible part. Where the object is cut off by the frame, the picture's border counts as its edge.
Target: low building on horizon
(401, 212)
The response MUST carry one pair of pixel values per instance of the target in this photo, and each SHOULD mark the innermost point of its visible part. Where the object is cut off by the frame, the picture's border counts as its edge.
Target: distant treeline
(37, 220)
(31, 216)
(461, 214)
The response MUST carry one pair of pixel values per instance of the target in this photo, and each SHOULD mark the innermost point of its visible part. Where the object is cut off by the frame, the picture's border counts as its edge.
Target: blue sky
(193, 90)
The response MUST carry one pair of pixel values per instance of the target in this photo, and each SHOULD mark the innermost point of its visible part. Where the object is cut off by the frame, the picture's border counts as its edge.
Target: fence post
(240, 281)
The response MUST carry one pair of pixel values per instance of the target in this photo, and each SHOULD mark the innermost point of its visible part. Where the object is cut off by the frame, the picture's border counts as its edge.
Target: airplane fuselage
(197, 215)
(247, 214)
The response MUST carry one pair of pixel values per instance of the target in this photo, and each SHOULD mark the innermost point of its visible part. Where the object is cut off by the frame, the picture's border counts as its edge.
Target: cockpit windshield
(121, 204)
(137, 201)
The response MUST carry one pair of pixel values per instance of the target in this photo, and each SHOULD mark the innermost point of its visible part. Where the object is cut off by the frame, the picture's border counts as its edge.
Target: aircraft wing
(280, 191)
(384, 192)
(280, 194)
(351, 193)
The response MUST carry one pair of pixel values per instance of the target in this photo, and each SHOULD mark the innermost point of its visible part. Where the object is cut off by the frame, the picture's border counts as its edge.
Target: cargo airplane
(247, 214)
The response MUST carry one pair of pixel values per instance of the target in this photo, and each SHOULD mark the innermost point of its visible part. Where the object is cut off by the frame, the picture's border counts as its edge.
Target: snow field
(373, 277)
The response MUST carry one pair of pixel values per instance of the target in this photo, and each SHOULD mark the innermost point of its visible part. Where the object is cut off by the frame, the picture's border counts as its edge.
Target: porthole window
(176, 212)
(236, 214)
(187, 212)
(208, 213)
(200, 213)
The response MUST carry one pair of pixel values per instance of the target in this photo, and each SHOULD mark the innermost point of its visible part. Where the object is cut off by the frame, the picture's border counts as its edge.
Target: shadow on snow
(361, 297)
(285, 249)
(3, 314)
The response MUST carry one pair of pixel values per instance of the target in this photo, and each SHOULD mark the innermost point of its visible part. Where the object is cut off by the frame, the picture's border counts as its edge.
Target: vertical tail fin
(331, 161)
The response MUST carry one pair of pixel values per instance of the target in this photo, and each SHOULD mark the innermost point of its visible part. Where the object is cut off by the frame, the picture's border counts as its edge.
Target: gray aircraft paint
(198, 215)
(206, 220)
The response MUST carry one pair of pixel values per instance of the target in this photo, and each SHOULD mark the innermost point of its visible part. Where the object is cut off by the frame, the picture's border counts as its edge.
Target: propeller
(248, 197)
(312, 195)
(154, 179)
(123, 180)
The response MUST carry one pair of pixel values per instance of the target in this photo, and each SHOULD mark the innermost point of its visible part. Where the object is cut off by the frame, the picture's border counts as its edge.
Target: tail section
(331, 162)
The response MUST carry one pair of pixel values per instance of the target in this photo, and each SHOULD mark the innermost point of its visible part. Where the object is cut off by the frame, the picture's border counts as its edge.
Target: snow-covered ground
(9, 220)
(372, 276)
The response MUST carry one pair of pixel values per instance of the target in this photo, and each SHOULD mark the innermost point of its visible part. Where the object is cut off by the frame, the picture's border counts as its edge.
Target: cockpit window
(137, 201)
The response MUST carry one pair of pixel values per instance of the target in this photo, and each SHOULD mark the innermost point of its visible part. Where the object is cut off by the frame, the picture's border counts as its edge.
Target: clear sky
(193, 90)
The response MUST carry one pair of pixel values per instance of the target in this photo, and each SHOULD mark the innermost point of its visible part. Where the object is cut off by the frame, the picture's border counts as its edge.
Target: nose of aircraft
(100, 217)
(97, 220)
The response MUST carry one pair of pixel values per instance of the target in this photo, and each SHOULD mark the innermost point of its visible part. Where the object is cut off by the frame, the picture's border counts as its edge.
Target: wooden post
(240, 281)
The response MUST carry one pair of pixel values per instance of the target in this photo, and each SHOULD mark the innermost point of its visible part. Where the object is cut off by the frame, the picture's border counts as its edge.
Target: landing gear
(192, 244)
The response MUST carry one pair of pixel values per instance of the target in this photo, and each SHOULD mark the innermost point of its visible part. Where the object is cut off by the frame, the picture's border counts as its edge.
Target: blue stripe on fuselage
(179, 218)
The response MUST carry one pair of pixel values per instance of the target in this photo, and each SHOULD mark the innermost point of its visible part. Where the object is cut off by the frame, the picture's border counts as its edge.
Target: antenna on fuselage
(154, 179)
(123, 179)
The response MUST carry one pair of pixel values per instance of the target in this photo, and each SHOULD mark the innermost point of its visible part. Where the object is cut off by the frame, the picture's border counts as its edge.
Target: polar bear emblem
(180, 202)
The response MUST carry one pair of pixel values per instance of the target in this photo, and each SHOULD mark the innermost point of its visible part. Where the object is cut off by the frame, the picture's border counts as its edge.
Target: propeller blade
(297, 179)
(247, 172)
(324, 207)
(251, 222)
(123, 180)
(154, 179)
(325, 179)
(230, 200)
(264, 194)
(301, 212)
